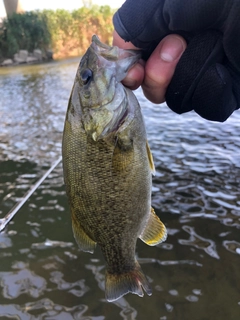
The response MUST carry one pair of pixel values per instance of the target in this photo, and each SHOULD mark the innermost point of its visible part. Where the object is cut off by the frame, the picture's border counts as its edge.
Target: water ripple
(232, 246)
(199, 242)
(195, 193)
(22, 282)
(51, 244)
(77, 288)
(47, 310)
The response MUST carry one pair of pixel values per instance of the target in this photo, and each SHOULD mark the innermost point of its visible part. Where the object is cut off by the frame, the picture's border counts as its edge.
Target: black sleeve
(207, 77)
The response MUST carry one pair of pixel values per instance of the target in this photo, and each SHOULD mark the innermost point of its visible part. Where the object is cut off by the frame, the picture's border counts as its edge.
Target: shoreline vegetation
(55, 34)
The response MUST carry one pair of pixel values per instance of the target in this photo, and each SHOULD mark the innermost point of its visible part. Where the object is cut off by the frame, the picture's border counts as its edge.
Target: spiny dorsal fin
(150, 159)
(84, 242)
(155, 232)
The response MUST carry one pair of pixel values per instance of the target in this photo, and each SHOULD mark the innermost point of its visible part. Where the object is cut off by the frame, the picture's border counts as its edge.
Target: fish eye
(86, 76)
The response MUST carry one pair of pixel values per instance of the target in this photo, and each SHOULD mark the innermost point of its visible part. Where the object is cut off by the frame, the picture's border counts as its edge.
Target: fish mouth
(123, 58)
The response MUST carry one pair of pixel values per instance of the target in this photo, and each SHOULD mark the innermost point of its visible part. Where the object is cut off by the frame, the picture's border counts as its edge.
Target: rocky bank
(25, 57)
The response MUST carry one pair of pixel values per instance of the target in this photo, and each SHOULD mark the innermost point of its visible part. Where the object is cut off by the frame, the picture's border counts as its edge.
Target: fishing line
(4, 222)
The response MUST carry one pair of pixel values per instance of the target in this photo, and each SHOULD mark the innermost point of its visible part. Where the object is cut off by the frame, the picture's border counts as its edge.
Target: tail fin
(117, 285)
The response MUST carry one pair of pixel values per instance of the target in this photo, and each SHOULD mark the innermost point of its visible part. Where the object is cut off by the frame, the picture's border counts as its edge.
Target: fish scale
(107, 168)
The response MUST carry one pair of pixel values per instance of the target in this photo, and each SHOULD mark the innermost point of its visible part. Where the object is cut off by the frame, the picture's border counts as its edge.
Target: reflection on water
(43, 275)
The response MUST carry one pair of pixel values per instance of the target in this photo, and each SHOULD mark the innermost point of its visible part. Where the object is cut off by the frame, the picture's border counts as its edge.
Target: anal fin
(155, 231)
(84, 242)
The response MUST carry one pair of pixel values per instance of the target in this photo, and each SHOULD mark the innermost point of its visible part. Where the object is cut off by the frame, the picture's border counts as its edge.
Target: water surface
(194, 274)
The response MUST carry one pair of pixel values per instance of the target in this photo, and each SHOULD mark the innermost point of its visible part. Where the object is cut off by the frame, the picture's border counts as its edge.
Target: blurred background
(63, 28)
(29, 5)
(43, 275)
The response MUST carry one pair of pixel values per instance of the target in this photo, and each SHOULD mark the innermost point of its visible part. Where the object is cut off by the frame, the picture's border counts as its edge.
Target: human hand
(155, 74)
(206, 78)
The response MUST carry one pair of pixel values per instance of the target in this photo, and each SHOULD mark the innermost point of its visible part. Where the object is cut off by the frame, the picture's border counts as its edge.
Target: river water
(195, 274)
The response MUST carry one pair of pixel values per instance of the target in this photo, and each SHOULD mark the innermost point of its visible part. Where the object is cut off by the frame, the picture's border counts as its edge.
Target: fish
(108, 167)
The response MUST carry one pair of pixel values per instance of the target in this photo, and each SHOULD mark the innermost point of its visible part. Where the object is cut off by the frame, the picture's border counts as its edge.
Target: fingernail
(172, 48)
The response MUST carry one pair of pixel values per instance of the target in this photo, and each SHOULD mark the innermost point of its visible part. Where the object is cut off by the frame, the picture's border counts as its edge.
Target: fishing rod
(4, 222)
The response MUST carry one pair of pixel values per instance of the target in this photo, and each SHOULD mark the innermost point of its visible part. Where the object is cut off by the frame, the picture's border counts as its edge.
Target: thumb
(160, 67)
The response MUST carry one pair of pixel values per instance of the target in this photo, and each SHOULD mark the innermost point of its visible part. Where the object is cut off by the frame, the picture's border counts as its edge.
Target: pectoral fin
(155, 232)
(84, 242)
(150, 159)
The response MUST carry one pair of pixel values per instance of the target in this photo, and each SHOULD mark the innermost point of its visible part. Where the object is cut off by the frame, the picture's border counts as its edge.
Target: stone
(23, 54)
(37, 53)
(49, 54)
(31, 59)
(16, 56)
(7, 62)
(19, 60)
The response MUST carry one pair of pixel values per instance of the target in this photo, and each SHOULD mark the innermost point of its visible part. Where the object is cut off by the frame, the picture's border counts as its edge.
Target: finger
(135, 75)
(160, 67)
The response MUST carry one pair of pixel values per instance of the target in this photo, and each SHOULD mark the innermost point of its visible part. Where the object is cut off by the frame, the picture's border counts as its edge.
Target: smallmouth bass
(107, 168)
